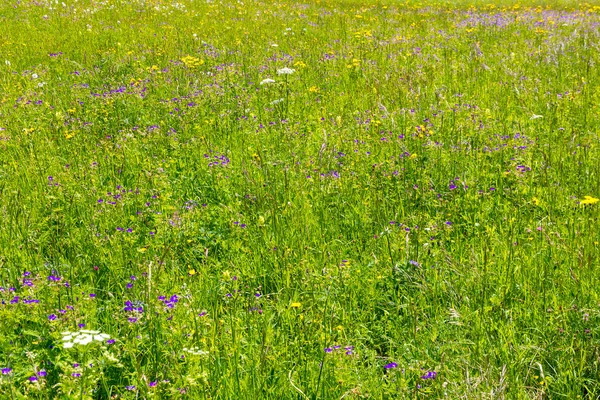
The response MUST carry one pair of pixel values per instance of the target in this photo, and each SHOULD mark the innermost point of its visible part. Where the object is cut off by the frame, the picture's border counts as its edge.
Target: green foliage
(322, 200)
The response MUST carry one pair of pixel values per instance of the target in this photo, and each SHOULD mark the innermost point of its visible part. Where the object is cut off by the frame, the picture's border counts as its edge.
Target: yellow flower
(589, 200)
(296, 305)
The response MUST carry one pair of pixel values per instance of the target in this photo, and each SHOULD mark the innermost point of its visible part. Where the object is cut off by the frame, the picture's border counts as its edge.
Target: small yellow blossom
(589, 200)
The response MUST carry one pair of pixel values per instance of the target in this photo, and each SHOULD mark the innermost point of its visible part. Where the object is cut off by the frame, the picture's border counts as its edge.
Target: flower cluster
(82, 338)
(195, 351)
(348, 349)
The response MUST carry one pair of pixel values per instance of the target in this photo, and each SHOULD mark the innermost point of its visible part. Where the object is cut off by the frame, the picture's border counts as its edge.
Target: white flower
(274, 45)
(7, 62)
(195, 351)
(268, 80)
(34, 76)
(535, 116)
(83, 337)
(285, 71)
(274, 102)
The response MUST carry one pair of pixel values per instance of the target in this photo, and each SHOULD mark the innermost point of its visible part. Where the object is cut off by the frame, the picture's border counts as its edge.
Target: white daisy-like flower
(34, 76)
(285, 71)
(266, 81)
(275, 102)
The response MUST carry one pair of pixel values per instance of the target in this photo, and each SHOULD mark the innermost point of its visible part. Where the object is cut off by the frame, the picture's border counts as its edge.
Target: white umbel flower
(267, 81)
(195, 351)
(82, 337)
(285, 71)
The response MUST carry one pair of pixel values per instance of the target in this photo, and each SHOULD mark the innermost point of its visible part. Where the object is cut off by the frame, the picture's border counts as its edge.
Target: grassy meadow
(324, 199)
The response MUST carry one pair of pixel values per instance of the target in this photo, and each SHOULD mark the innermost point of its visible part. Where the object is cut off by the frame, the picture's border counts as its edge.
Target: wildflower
(52, 317)
(267, 81)
(390, 365)
(296, 305)
(588, 200)
(429, 375)
(6, 371)
(285, 71)
(153, 384)
(82, 337)
(33, 378)
(130, 387)
(328, 350)
(42, 373)
(75, 374)
(195, 351)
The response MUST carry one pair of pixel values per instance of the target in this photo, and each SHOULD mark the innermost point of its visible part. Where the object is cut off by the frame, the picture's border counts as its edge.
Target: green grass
(414, 193)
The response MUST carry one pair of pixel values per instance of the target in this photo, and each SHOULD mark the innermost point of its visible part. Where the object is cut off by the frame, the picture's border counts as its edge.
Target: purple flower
(6, 371)
(52, 317)
(75, 374)
(33, 378)
(129, 285)
(328, 349)
(390, 365)
(42, 373)
(92, 295)
(153, 384)
(81, 325)
(130, 387)
(429, 375)
(110, 341)
(132, 319)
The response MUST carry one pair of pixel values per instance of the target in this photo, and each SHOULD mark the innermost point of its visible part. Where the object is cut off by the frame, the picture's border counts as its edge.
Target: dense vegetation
(320, 200)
